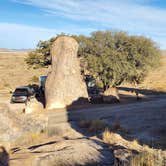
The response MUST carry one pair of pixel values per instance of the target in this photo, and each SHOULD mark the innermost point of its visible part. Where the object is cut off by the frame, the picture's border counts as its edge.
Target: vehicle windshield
(21, 91)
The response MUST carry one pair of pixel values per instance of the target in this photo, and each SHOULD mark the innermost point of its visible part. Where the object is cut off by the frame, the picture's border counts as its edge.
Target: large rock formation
(64, 84)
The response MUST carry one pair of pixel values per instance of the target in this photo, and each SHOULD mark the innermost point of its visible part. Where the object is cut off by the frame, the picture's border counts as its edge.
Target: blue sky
(24, 22)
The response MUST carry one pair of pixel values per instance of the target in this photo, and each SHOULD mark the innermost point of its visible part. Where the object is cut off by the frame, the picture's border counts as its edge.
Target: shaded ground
(144, 121)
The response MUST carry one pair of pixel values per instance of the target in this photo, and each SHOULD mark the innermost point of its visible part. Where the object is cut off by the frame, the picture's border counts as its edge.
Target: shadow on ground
(74, 119)
(145, 92)
(4, 157)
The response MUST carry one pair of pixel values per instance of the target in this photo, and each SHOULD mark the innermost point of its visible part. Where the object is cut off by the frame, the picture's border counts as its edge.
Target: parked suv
(22, 94)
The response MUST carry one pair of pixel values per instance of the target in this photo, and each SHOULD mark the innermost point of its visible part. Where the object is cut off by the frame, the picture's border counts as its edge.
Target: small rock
(33, 106)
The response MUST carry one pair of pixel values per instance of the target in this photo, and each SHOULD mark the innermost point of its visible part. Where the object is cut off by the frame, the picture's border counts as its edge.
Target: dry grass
(93, 125)
(115, 139)
(118, 127)
(29, 138)
(100, 125)
(15, 72)
(156, 79)
(146, 157)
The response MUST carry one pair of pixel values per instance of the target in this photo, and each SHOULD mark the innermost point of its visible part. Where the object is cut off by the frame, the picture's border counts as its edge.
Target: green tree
(115, 57)
(40, 57)
(111, 57)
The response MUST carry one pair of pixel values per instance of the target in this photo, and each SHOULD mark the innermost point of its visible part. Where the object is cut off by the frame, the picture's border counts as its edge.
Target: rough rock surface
(71, 152)
(64, 84)
(65, 152)
(33, 105)
(15, 124)
(111, 95)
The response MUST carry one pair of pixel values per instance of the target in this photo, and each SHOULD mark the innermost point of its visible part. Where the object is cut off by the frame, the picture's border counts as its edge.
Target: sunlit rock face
(64, 84)
(33, 106)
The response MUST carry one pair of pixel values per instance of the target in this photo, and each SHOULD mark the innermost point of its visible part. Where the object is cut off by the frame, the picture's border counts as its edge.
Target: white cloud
(23, 36)
(100, 10)
(134, 16)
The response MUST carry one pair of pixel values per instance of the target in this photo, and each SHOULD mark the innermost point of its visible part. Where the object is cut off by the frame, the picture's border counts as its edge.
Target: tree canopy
(110, 57)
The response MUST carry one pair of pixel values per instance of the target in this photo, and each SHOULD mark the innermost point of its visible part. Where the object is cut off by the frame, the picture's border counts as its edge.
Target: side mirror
(10, 92)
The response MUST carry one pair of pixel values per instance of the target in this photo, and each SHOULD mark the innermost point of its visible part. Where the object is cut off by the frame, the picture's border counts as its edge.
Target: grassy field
(15, 72)
(156, 79)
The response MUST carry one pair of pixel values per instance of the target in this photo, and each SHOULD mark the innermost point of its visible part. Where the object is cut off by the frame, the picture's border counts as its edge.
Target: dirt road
(144, 121)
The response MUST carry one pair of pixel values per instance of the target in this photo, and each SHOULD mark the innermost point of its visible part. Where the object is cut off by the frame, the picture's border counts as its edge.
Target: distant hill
(4, 50)
(15, 50)
(28, 50)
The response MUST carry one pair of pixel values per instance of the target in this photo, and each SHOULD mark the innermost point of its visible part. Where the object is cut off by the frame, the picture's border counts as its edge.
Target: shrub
(146, 156)
(114, 138)
(29, 138)
(93, 125)
(34, 79)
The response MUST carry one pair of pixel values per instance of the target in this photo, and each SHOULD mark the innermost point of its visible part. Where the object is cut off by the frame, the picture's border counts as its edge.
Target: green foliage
(115, 57)
(41, 56)
(111, 57)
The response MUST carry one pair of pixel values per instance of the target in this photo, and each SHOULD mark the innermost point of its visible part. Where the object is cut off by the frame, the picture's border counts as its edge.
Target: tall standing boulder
(64, 85)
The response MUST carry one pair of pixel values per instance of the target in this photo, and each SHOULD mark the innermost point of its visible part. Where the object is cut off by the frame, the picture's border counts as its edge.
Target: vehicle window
(21, 91)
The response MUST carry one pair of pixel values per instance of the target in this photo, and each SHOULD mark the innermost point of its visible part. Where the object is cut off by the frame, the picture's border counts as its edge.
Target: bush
(34, 79)
(93, 125)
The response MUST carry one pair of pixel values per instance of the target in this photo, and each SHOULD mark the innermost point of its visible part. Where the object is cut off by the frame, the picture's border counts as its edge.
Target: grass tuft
(93, 125)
